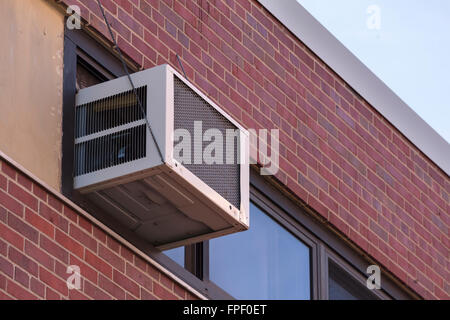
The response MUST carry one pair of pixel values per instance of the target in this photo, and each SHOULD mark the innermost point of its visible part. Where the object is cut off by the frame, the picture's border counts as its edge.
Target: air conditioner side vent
(110, 131)
(189, 107)
(110, 150)
(110, 112)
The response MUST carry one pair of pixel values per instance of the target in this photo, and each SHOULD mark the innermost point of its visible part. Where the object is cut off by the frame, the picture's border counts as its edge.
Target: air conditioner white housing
(118, 167)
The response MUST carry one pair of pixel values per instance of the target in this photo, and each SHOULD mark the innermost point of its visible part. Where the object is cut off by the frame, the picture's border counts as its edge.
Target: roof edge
(328, 48)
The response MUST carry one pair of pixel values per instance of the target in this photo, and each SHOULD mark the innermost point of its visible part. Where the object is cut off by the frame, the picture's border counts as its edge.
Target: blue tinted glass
(176, 255)
(265, 262)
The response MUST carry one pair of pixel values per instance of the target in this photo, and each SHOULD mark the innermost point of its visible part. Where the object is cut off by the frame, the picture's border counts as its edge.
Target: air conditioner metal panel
(189, 107)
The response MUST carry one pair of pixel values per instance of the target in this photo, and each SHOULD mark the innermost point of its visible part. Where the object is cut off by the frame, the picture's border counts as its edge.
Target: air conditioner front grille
(109, 112)
(110, 150)
(190, 107)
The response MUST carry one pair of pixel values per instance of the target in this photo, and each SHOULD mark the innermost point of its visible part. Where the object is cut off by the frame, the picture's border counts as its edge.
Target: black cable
(131, 81)
(181, 65)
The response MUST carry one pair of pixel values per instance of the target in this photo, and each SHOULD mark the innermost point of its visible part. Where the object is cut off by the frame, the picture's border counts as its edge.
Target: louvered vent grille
(124, 138)
(189, 107)
(109, 112)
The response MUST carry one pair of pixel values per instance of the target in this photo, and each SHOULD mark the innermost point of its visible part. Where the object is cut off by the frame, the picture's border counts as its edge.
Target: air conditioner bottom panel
(163, 208)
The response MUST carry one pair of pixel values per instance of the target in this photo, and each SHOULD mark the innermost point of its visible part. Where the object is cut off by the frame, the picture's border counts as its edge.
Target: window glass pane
(342, 286)
(176, 254)
(265, 262)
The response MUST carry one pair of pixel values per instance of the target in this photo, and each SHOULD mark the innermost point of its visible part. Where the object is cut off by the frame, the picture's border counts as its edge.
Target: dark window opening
(86, 75)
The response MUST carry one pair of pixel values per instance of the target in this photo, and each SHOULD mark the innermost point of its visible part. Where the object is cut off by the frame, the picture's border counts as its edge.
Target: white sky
(410, 51)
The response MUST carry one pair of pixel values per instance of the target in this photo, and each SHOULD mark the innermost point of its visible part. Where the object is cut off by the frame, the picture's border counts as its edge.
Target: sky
(406, 43)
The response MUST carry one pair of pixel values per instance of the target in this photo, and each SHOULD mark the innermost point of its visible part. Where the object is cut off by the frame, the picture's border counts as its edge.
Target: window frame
(286, 222)
(266, 192)
(325, 245)
(80, 44)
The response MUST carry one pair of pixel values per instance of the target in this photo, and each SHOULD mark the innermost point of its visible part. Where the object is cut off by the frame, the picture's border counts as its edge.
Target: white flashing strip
(302, 24)
(102, 226)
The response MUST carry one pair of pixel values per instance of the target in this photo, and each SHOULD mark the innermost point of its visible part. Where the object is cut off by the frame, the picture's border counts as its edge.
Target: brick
(37, 287)
(112, 288)
(179, 291)
(2, 282)
(344, 92)
(19, 292)
(77, 295)
(378, 230)
(86, 271)
(145, 295)
(313, 202)
(6, 267)
(53, 282)
(185, 13)
(259, 16)
(70, 214)
(140, 277)
(339, 223)
(99, 234)
(54, 249)
(85, 224)
(166, 281)
(3, 247)
(9, 170)
(98, 264)
(23, 228)
(130, 22)
(39, 255)
(82, 237)
(112, 258)
(95, 292)
(11, 204)
(70, 244)
(39, 223)
(328, 201)
(324, 74)
(146, 50)
(129, 50)
(170, 42)
(4, 296)
(126, 283)
(127, 254)
(23, 261)
(11, 236)
(54, 203)
(143, 19)
(53, 217)
(51, 294)
(39, 192)
(307, 184)
(21, 277)
(3, 182)
(22, 194)
(163, 293)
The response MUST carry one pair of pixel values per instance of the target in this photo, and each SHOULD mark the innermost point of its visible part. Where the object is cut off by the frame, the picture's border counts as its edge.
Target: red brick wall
(338, 154)
(40, 236)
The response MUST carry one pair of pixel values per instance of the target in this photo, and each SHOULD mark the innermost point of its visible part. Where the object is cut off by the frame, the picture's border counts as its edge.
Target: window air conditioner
(172, 202)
